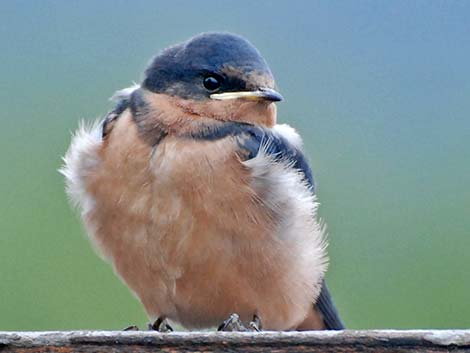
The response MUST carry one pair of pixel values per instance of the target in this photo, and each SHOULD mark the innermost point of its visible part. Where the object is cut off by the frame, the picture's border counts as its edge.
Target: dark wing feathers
(252, 138)
(279, 147)
(328, 310)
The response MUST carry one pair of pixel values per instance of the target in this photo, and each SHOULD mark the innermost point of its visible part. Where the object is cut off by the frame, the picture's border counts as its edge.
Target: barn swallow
(203, 204)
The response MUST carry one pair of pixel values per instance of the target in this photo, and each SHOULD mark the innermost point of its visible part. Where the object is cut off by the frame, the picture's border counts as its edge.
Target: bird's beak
(261, 94)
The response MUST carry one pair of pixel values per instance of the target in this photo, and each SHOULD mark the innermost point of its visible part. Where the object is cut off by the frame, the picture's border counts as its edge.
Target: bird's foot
(160, 325)
(255, 324)
(234, 324)
(131, 328)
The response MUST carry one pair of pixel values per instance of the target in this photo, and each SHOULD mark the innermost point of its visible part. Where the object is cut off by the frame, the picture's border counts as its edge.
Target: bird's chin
(234, 110)
(262, 113)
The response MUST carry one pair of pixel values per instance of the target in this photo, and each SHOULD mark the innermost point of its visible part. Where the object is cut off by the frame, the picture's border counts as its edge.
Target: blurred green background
(380, 91)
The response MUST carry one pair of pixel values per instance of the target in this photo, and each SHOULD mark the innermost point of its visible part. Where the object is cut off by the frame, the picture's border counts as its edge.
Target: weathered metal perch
(313, 341)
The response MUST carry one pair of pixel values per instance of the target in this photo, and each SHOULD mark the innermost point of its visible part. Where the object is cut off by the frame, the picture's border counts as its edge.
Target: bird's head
(213, 76)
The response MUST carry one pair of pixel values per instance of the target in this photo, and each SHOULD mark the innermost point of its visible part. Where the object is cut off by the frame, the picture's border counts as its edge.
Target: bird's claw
(160, 325)
(234, 324)
(255, 324)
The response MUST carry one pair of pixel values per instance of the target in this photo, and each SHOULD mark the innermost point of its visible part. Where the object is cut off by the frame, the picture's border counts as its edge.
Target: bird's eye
(212, 83)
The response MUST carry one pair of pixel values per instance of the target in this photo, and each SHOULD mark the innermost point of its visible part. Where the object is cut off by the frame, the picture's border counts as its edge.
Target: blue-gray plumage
(203, 204)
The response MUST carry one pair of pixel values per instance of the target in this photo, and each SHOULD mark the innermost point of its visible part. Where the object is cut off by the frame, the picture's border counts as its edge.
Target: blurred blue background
(380, 91)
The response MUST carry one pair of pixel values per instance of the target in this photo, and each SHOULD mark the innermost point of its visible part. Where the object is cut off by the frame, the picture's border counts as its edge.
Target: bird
(203, 204)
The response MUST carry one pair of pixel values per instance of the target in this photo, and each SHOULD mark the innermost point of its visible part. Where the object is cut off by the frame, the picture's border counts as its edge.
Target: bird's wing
(328, 310)
(284, 144)
(275, 143)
